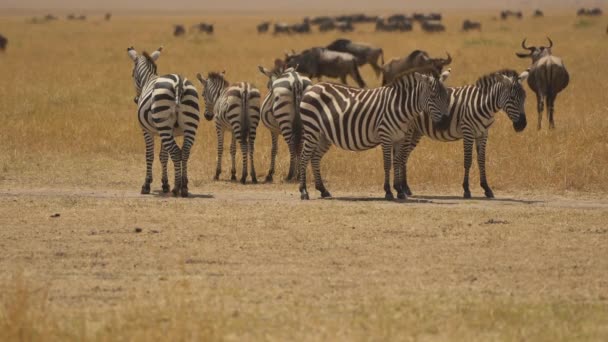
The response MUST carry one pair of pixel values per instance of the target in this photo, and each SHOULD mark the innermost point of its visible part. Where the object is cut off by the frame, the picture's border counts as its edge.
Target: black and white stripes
(235, 108)
(168, 107)
(360, 119)
(472, 111)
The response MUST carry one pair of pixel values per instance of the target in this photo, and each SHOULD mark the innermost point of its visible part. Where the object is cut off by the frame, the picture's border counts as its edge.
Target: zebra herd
(312, 117)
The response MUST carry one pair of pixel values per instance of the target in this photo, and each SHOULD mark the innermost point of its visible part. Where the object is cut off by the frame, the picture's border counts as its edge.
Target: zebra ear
(132, 53)
(266, 72)
(223, 73)
(523, 76)
(444, 75)
(156, 53)
(200, 78)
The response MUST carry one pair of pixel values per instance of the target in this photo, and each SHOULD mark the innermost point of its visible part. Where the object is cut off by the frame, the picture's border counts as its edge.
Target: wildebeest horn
(523, 45)
(550, 42)
(449, 60)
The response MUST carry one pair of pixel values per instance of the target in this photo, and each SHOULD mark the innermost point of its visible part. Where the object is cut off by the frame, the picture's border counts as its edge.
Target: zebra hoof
(408, 191)
(489, 194)
(233, 178)
(254, 180)
(175, 192)
(217, 177)
(389, 196)
(243, 180)
(145, 189)
(184, 192)
(304, 196)
(166, 188)
(401, 195)
(467, 194)
(325, 194)
(268, 179)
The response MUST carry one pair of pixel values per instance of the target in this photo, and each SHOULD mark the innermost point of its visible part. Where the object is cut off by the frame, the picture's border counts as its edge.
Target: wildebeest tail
(245, 116)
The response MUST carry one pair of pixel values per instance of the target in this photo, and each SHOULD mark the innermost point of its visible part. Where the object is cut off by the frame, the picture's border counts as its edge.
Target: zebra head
(535, 52)
(513, 98)
(434, 98)
(212, 88)
(273, 74)
(144, 66)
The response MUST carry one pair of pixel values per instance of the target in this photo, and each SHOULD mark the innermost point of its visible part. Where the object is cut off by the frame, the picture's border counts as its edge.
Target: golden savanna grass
(253, 262)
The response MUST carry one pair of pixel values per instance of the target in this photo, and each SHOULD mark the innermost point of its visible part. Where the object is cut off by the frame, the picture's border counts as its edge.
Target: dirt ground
(352, 267)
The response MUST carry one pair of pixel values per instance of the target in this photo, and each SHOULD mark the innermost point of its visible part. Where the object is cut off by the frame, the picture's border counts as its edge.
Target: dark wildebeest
(108, 16)
(204, 28)
(50, 17)
(303, 27)
(82, 17)
(364, 53)
(468, 25)
(590, 12)
(506, 14)
(3, 43)
(432, 26)
(263, 27)
(416, 59)
(179, 30)
(318, 61)
(548, 76)
(345, 26)
(402, 26)
(320, 20)
(328, 25)
(281, 28)
(538, 13)
(71, 16)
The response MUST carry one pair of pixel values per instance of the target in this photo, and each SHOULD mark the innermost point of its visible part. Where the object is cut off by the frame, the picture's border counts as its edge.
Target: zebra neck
(492, 98)
(406, 93)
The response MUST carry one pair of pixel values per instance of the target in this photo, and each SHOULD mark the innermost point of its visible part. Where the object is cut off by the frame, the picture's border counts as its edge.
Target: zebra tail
(179, 92)
(245, 117)
(296, 125)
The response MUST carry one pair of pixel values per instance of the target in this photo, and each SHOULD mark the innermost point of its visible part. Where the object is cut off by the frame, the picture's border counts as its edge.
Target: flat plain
(84, 256)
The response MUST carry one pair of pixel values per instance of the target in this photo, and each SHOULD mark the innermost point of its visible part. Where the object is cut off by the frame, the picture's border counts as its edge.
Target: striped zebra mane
(425, 70)
(149, 60)
(491, 78)
(217, 77)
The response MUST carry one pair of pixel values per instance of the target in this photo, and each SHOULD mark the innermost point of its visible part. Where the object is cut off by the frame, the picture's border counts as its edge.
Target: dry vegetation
(252, 262)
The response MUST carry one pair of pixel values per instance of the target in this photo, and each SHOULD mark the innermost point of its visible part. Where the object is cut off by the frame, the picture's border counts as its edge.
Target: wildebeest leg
(539, 106)
(480, 144)
(273, 155)
(149, 139)
(468, 156)
(316, 167)
(343, 79)
(550, 106)
(357, 76)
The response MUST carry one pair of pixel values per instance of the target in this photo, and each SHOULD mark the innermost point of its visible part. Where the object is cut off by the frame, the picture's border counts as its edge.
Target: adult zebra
(281, 112)
(235, 108)
(472, 111)
(361, 119)
(167, 106)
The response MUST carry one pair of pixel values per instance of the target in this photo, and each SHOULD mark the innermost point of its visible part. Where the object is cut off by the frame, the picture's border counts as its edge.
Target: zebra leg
(316, 168)
(387, 149)
(480, 144)
(308, 148)
(168, 141)
(149, 139)
(164, 160)
(409, 148)
(245, 153)
(550, 106)
(273, 155)
(220, 151)
(468, 156)
(254, 178)
(233, 158)
(187, 146)
(539, 107)
(398, 184)
(293, 159)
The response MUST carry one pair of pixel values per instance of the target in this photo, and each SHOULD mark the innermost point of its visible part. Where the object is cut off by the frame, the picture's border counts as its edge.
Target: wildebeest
(538, 13)
(345, 26)
(50, 17)
(320, 20)
(204, 27)
(318, 61)
(548, 76)
(179, 30)
(281, 28)
(402, 26)
(327, 25)
(82, 17)
(263, 27)
(468, 25)
(364, 53)
(508, 13)
(108, 16)
(592, 12)
(426, 17)
(416, 59)
(71, 16)
(3, 43)
(303, 27)
(432, 26)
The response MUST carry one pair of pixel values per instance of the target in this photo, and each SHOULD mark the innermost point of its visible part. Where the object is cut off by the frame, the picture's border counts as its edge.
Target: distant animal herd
(412, 102)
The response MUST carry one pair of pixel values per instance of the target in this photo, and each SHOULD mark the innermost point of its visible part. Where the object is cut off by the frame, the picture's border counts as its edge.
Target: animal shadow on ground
(158, 193)
(481, 198)
(379, 199)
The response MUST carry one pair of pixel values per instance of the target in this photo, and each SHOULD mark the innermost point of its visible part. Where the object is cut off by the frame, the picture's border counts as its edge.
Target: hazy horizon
(301, 5)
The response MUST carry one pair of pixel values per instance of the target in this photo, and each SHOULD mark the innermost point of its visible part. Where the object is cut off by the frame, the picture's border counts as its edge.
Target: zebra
(472, 111)
(281, 112)
(235, 108)
(361, 119)
(167, 106)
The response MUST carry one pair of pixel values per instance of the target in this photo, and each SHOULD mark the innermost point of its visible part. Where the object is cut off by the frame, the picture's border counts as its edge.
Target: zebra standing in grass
(361, 119)
(472, 111)
(281, 112)
(235, 108)
(168, 107)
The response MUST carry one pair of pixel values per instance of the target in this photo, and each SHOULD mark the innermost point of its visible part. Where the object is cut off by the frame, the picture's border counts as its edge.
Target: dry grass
(255, 262)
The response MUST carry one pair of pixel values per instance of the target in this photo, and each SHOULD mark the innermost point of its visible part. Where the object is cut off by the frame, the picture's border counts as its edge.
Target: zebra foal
(361, 119)
(472, 113)
(281, 112)
(167, 106)
(235, 108)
